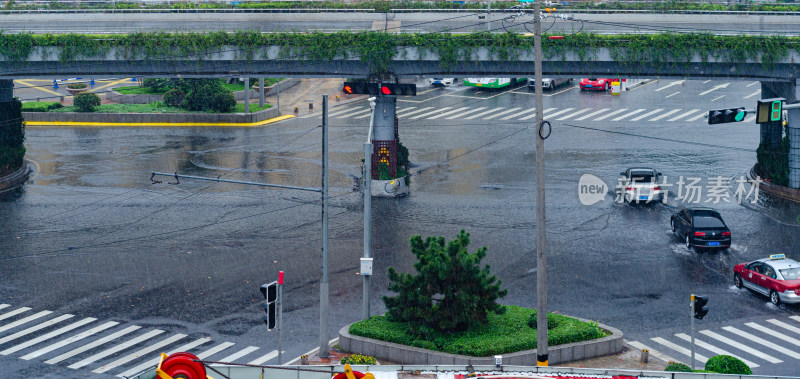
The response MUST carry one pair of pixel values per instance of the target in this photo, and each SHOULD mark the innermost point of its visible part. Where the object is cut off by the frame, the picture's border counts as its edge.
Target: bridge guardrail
(371, 10)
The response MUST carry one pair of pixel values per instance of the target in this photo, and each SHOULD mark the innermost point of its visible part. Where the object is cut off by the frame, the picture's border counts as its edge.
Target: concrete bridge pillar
(794, 141)
(384, 137)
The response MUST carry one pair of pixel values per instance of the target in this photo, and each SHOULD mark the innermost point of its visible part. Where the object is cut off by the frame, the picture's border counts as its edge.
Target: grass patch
(506, 333)
(137, 90)
(40, 106)
(156, 107)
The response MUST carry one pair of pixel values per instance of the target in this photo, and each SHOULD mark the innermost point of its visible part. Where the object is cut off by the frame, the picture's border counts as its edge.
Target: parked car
(596, 84)
(777, 277)
(549, 83)
(442, 82)
(641, 185)
(701, 227)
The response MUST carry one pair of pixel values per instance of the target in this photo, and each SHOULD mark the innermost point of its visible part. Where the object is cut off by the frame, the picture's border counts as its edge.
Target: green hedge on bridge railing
(378, 49)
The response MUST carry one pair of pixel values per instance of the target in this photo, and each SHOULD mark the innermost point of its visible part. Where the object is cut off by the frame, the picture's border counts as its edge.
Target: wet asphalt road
(90, 235)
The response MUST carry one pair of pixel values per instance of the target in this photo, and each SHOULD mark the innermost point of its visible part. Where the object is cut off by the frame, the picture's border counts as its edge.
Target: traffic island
(153, 119)
(610, 343)
(392, 188)
(787, 193)
(17, 178)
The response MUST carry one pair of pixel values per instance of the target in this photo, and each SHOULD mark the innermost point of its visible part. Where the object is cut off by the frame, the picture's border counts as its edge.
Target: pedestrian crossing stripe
(763, 342)
(699, 357)
(68, 341)
(239, 354)
(92, 345)
(714, 349)
(741, 347)
(116, 349)
(774, 333)
(573, 114)
(47, 336)
(154, 361)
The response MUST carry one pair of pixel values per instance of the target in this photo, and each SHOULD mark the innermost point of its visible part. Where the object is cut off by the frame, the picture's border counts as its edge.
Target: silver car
(641, 185)
(549, 83)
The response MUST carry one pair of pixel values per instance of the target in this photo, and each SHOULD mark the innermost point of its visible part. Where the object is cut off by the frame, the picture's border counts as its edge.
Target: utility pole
(261, 92)
(541, 231)
(489, 16)
(280, 302)
(324, 349)
(368, 148)
(691, 318)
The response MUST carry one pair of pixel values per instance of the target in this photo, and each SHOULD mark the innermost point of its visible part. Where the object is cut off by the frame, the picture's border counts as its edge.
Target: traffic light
(270, 292)
(700, 308)
(384, 89)
(769, 110)
(720, 116)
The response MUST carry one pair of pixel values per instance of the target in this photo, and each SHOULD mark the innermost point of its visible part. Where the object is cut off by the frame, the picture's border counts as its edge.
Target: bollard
(645, 355)
(304, 359)
(310, 106)
(55, 84)
(61, 98)
(296, 109)
(91, 81)
(337, 98)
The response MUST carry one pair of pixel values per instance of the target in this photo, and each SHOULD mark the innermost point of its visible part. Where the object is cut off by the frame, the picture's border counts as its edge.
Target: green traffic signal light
(740, 115)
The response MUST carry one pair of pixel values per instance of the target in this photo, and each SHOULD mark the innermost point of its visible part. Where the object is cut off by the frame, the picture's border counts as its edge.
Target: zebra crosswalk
(511, 114)
(108, 347)
(772, 341)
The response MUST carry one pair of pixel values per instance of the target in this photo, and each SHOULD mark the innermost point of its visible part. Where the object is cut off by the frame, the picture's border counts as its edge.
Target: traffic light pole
(324, 348)
(541, 228)
(280, 317)
(691, 318)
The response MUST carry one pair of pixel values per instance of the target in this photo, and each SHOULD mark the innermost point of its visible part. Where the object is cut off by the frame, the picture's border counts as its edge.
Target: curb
(404, 354)
(791, 194)
(17, 178)
(156, 124)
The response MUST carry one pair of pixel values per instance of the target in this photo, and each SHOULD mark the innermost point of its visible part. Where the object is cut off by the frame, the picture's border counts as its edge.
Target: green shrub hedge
(726, 364)
(40, 106)
(677, 367)
(552, 321)
(87, 102)
(504, 333)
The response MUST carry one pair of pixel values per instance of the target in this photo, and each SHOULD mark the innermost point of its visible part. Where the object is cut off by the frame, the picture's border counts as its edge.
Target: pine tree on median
(450, 292)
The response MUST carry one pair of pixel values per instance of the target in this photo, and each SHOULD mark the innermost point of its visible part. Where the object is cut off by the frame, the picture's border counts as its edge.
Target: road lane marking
(655, 353)
(483, 113)
(699, 116)
(706, 81)
(239, 354)
(717, 98)
(465, 113)
(139, 353)
(214, 350)
(115, 349)
(404, 110)
(47, 336)
(646, 114)
(14, 313)
(675, 83)
(68, 341)
(629, 114)
(753, 94)
(549, 115)
(346, 115)
(153, 362)
(404, 115)
(714, 349)
(448, 113)
(774, 333)
(573, 114)
(761, 341)
(796, 318)
(32, 329)
(698, 357)
(336, 112)
(784, 325)
(24, 320)
(431, 113)
(665, 115)
(714, 89)
(92, 345)
(753, 83)
(741, 347)
(501, 113)
(4, 306)
(597, 112)
(668, 96)
(272, 354)
(684, 114)
(607, 115)
(529, 110)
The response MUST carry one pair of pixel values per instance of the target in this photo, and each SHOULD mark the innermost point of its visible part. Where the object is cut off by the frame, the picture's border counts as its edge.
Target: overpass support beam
(384, 137)
(794, 139)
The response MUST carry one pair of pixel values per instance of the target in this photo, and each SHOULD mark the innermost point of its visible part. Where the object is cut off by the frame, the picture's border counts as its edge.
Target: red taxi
(777, 277)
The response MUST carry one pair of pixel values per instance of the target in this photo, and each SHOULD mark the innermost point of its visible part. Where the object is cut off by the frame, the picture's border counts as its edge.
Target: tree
(450, 292)
(86, 101)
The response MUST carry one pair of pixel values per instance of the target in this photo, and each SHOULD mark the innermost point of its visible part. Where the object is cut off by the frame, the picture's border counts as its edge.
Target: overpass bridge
(775, 61)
